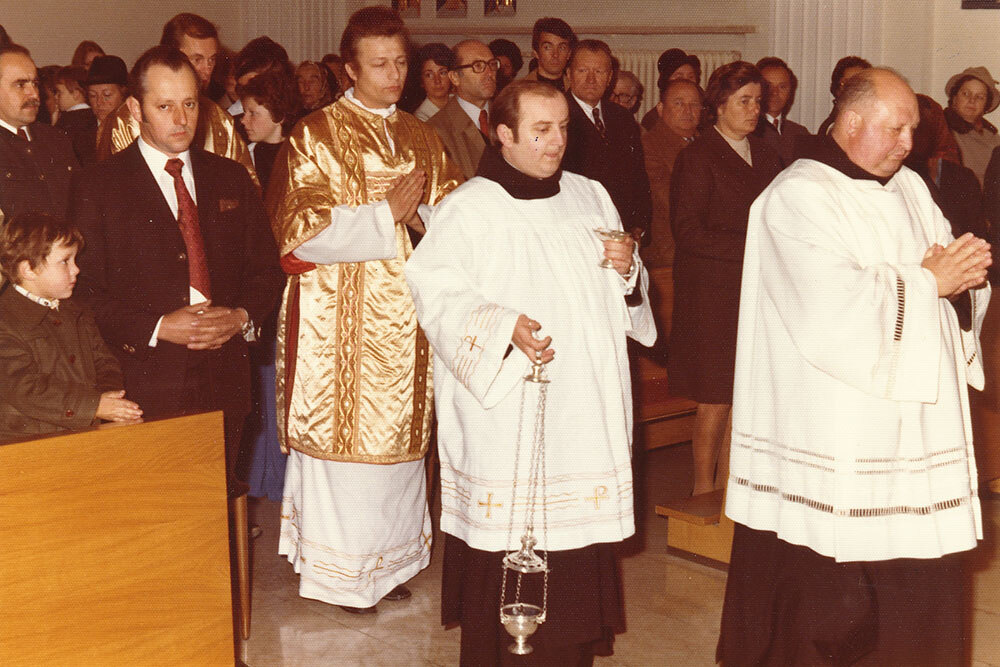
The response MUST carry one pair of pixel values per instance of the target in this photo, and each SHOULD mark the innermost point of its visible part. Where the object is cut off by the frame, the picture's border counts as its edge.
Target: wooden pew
(115, 547)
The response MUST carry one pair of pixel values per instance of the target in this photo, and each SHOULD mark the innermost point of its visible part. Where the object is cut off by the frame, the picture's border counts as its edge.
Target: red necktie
(598, 122)
(23, 133)
(484, 122)
(187, 221)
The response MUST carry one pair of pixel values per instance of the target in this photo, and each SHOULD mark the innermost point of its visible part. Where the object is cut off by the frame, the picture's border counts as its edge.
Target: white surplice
(851, 427)
(354, 531)
(487, 258)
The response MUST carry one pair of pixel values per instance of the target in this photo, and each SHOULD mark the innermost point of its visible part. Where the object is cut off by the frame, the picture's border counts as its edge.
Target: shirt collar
(385, 113)
(157, 160)
(10, 128)
(588, 109)
(51, 304)
(471, 110)
(77, 107)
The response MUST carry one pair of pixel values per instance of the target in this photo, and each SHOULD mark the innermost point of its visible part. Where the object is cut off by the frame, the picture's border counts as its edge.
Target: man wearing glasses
(463, 124)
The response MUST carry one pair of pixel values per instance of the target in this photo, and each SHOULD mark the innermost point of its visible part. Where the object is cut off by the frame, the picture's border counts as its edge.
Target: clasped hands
(202, 326)
(405, 196)
(960, 266)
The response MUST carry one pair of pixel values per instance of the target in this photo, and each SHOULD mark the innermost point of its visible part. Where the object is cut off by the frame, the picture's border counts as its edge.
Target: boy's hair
(74, 78)
(277, 93)
(29, 237)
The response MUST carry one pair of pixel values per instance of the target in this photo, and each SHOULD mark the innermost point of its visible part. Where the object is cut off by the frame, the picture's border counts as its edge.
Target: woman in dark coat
(715, 181)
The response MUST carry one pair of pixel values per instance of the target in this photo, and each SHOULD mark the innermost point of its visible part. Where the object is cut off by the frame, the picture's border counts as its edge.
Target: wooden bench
(698, 525)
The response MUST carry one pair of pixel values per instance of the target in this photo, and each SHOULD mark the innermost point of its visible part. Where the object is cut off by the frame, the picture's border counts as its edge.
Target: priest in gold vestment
(197, 39)
(354, 387)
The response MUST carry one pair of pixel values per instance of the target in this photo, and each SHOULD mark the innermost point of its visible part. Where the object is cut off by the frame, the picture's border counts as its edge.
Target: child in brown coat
(56, 373)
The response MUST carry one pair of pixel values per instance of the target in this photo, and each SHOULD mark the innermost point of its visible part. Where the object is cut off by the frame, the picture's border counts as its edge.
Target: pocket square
(228, 204)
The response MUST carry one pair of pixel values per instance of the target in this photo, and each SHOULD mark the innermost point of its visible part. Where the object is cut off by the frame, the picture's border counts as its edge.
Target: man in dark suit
(783, 135)
(36, 160)
(179, 262)
(604, 140)
(463, 124)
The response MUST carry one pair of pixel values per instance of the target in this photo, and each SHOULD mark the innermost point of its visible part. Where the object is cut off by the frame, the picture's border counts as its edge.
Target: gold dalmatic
(216, 133)
(354, 369)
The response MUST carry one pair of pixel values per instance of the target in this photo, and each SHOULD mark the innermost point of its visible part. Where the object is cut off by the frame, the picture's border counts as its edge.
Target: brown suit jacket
(660, 147)
(462, 139)
(54, 366)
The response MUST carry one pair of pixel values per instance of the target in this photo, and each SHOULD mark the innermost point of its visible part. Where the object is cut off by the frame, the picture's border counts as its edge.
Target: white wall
(51, 29)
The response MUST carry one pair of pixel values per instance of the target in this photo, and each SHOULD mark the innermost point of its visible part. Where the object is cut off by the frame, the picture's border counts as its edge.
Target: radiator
(642, 63)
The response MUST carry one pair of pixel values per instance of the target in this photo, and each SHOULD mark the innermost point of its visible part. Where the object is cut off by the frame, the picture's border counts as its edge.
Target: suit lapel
(207, 195)
(148, 193)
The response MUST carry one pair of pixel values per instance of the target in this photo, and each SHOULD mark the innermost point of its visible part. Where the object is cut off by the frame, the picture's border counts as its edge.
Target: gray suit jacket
(461, 137)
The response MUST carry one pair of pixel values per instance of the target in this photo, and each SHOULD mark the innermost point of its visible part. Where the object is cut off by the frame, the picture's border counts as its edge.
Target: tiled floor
(672, 604)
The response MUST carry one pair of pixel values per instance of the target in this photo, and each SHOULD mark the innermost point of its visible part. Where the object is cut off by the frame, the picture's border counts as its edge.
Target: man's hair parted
(375, 21)
(168, 56)
(188, 24)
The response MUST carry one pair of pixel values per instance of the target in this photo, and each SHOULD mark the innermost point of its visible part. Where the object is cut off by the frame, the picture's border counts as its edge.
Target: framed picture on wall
(499, 7)
(980, 4)
(407, 9)
(452, 9)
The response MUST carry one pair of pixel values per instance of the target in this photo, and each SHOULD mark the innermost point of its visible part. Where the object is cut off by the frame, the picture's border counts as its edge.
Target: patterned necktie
(23, 133)
(484, 122)
(599, 123)
(187, 221)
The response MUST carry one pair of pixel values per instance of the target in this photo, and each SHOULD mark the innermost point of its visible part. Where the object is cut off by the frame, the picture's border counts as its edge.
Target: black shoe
(358, 610)
(400, 592)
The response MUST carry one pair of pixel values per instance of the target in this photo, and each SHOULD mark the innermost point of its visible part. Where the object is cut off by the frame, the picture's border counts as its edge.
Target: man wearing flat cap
(971, 94)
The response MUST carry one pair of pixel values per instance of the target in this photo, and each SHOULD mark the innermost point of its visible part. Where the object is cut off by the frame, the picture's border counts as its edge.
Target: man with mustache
(36, 160)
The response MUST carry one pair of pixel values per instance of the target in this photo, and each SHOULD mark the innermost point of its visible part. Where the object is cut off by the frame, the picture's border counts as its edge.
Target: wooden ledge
(702, 510)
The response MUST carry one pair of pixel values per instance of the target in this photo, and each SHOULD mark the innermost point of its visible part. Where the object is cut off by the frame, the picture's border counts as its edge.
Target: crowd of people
(356, 256)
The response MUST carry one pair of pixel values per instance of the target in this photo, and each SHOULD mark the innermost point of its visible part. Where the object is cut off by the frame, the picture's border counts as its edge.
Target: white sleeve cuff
(156, 333)
(355, 234)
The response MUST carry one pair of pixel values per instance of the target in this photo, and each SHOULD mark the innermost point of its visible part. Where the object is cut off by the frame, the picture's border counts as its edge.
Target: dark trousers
(199, 396)
(787, 605)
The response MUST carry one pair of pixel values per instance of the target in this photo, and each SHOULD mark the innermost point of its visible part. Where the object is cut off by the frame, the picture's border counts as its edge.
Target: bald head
(474, 87)
(876, 115)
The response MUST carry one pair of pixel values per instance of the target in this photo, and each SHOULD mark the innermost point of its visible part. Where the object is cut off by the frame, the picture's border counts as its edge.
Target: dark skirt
(585, 607)
(788, 605)
(701, 355)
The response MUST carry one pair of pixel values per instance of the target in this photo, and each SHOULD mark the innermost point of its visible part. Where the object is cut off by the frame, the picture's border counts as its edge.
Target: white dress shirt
(13, 130)
(157, 162)
(588, 110)
(471, 110)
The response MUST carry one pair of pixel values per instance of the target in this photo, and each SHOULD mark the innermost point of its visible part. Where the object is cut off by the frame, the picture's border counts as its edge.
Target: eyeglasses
(624, 97)
(479, 66)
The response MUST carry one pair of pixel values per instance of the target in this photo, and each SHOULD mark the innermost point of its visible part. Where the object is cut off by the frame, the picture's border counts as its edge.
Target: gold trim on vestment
(361, 388)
